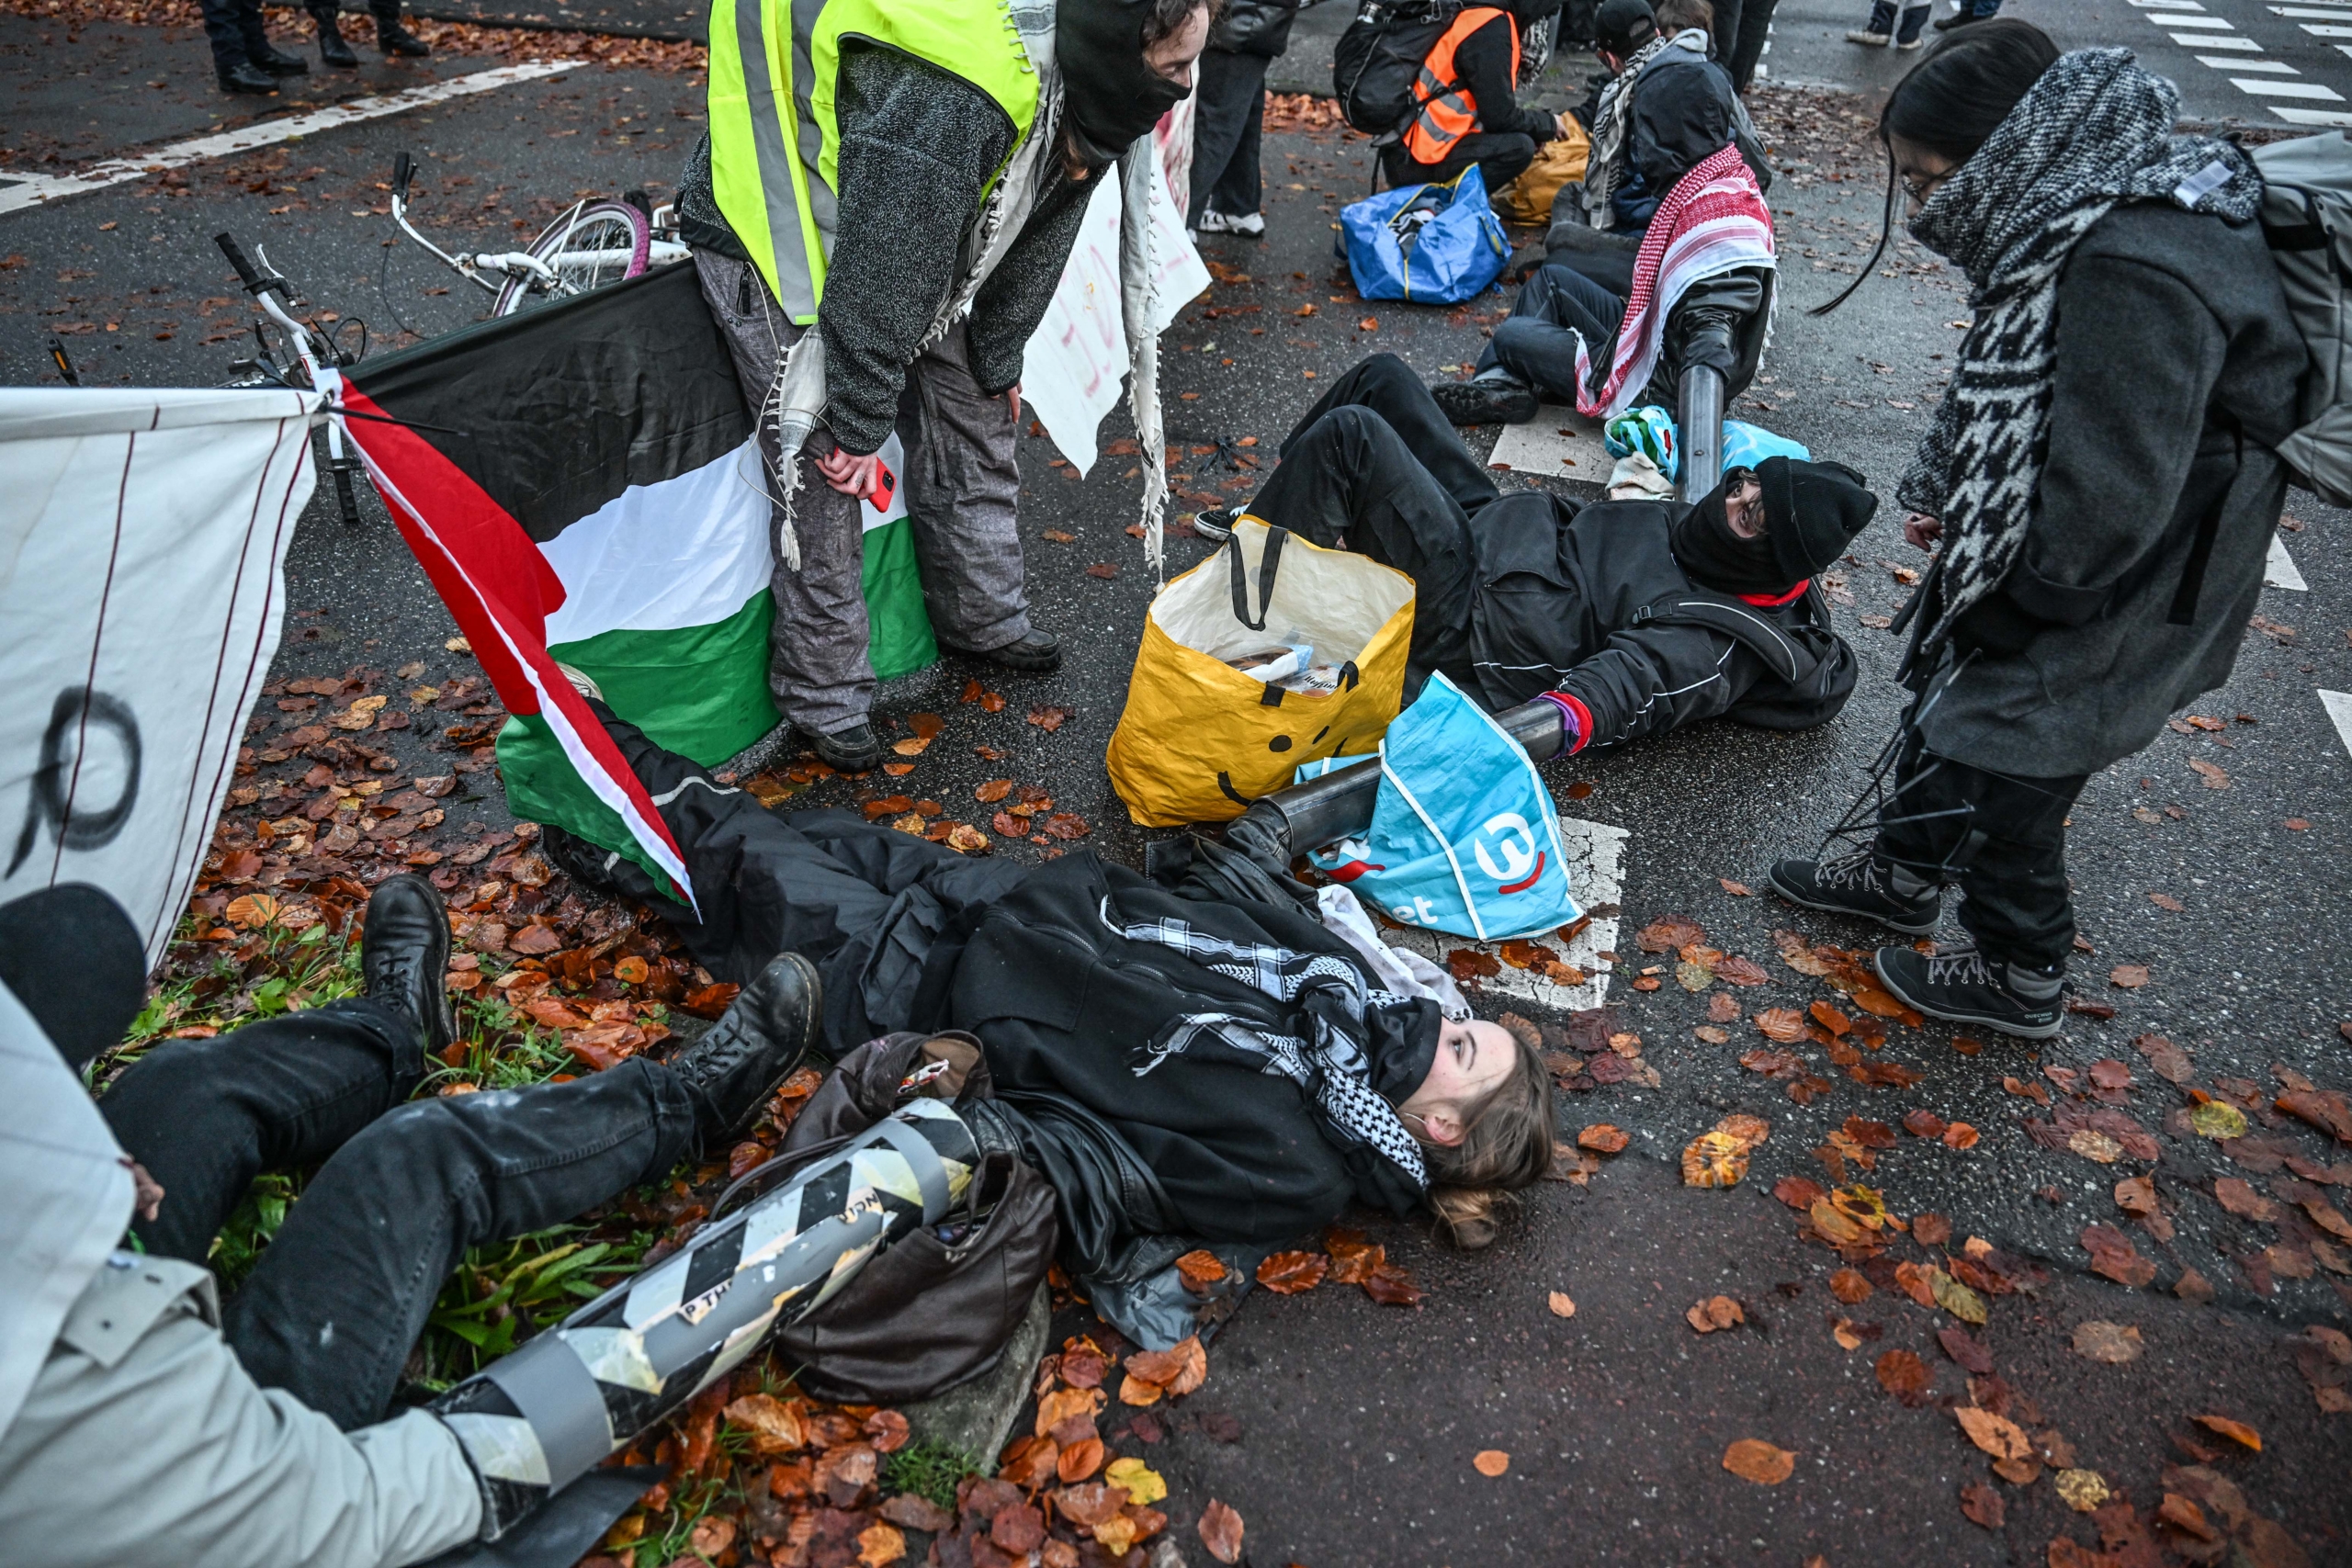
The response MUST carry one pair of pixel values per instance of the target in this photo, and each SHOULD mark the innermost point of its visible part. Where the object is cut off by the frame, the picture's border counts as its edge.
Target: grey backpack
(2307, 218)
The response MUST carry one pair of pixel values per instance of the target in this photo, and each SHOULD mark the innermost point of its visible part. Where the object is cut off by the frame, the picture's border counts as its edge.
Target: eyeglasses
(1922, 187)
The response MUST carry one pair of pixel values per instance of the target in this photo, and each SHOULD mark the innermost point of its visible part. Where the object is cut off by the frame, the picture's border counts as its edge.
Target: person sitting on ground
(1467, 109)
(1636, 617)
(141, 1421)
(2102, 475)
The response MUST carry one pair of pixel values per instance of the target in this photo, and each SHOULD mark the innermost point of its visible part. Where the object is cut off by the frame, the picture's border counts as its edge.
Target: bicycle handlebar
(404, 172)
(256, 282)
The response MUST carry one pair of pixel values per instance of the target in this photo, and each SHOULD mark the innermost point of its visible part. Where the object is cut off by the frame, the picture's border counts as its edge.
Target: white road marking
(2335, 13)
(1596, 865)
(2311, 117)
(2223, 62)
(2339, 709)
(2173, 20)
(26, 190)
(2282, 571)
(2288, 90)
(2213, 41)
(2320, 30)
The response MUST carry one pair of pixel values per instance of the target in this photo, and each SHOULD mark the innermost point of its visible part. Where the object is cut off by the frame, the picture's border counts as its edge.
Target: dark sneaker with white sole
(1855, 884)
(1215, 525)
(1487, 401)
(1960, 986)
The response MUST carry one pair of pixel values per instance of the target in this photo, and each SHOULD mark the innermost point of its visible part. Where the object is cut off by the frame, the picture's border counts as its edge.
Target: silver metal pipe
(1698, 419)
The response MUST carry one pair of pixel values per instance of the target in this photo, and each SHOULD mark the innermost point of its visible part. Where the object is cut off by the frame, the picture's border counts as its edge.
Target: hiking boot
(404, 954)
(852, 750)
(1037, 653)
(273, 62)
(755, 1045)
(1486, 401)
(1215, 525)
(394, 39)
(243, 77)
(1857, 884)
(1960, 986)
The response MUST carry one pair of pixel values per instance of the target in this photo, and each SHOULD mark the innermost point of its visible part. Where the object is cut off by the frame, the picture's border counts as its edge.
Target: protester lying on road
(1636, 616)
(1190, 1059)
(2100, 475)
(910, 205)
(1467, 109)
(139, 1422)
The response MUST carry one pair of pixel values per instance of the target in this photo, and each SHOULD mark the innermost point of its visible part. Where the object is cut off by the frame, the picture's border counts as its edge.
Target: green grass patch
(930, 1470)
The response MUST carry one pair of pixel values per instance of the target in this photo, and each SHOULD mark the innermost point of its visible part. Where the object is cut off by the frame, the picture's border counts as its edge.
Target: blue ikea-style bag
(1427, 244)
(1464, 834)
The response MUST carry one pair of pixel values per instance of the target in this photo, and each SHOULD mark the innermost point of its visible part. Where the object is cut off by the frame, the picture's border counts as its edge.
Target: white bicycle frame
(471, 267)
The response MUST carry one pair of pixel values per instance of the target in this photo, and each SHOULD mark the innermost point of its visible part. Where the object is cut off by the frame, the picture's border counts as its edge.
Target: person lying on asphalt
(143, 1421)
(1636, 616)
(1189, 1059)
(2101, 476)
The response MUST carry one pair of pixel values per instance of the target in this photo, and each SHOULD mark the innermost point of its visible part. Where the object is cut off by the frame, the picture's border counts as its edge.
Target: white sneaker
(1864, 36)
(1215, 223)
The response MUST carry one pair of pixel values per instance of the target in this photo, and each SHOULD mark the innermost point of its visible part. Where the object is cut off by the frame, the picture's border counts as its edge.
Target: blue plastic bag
(1745, 446)
(1454, 253)
(1464, 834)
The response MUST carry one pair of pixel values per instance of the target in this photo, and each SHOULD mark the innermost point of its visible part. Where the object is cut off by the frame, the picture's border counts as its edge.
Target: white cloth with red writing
(1712, 221)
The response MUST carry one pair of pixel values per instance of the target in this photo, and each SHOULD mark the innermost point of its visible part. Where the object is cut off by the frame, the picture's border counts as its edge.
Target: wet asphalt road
(1617, 1418)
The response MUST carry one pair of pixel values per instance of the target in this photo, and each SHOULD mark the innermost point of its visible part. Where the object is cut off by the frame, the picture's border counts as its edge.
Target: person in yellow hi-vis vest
(907, 177)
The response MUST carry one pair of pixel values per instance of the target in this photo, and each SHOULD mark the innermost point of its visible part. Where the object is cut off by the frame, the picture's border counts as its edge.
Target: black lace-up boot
(764, 1034)
(404, 954)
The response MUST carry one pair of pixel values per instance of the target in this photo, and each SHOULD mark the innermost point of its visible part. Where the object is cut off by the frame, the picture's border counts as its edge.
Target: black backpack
(1379, 59)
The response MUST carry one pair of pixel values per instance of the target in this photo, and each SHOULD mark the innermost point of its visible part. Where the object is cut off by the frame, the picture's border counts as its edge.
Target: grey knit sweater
(918, 147)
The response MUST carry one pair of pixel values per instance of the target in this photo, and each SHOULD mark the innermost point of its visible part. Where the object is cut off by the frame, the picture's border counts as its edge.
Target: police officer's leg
(963, 492)
(818, 667)
(224, 30)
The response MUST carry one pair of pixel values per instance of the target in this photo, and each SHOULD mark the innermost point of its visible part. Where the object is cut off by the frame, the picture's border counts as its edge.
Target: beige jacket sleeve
(145, 1441)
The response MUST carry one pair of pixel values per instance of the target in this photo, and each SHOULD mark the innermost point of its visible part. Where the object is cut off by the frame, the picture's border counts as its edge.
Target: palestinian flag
(581, 484)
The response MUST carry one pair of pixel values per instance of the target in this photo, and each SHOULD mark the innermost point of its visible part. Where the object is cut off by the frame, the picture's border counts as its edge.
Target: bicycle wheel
(602, 242)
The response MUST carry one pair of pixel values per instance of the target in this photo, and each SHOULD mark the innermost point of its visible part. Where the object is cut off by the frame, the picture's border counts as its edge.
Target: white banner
(1076, 362)
(142, 537)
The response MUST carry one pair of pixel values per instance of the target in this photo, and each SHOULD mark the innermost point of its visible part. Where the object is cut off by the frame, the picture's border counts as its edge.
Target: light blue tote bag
(1464, 834)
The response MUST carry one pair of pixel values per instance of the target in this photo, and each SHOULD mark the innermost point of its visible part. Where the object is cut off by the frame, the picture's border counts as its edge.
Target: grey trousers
(962, 485)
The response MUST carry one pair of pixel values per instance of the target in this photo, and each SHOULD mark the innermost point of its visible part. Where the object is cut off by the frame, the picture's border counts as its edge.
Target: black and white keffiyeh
(2095, 131)
(1612, 122)
(1332, 1068)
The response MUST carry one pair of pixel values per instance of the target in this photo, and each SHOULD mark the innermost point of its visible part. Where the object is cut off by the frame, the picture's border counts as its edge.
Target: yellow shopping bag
(1200, 740)
(1527, 199)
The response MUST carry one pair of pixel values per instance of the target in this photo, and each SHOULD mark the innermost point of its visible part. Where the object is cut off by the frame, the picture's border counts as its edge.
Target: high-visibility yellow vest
(774, 135)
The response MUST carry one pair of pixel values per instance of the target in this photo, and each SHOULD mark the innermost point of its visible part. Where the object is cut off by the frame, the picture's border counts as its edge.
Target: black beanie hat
(74, 960)
(1812, 511)
(1110, 96)
(1621, 27)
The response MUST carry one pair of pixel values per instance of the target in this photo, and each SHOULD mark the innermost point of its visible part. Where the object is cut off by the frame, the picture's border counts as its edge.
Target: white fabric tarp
(142, 537)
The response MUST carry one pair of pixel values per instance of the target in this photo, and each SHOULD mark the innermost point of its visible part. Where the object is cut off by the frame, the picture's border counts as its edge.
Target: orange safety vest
(1448, 112)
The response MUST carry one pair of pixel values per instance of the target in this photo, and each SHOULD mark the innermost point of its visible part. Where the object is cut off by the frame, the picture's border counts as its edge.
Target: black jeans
(2002, 838)
(1375, 466)
(343, 1292)
(234, 31)
(1741, 31)
(1227, 124)
(1537, 342)
(1500, 160)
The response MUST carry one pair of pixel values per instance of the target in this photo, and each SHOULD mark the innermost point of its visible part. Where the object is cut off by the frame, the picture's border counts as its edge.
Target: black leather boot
(763, 1037)
(333, 47)
(394, 39)
(242, 77)
(404, 954)
(277, 62)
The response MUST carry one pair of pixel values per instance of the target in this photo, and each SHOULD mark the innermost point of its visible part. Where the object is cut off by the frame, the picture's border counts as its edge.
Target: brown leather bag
(927, 1312)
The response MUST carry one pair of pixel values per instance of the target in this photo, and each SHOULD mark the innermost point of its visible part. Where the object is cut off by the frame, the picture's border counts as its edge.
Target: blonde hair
(1505, 1145)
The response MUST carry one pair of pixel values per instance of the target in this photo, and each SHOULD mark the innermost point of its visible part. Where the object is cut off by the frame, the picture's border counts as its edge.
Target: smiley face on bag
(1515, 861)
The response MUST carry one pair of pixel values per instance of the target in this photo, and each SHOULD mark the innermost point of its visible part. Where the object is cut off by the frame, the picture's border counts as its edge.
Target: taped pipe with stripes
(541, 1418)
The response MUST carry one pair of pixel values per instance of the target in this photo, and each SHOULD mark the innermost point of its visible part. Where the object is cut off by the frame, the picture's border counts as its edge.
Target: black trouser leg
(1500, 160)
(2001, 836)
(230, 27)
(343, 1292)
(1725, 31)
(206, 1116)
(1387, 385)
(1350, 478)
(1537, 343)
(1231, 95)
(1755, 27)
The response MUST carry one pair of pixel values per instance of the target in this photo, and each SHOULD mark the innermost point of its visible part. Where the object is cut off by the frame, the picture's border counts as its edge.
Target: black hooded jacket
(1592, 604)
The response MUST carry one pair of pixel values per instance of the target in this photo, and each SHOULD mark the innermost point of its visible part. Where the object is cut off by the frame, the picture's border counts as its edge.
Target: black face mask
(1401, 1042)
(1706, 547)
(1110, 97)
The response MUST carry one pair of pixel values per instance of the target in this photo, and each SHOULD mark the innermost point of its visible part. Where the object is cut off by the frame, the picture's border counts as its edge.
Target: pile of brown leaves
(510, 44)
(1347, 1258)
(1305, 111)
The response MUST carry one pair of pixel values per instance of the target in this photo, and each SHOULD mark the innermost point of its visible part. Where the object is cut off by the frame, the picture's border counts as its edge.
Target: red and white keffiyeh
(1713, 221)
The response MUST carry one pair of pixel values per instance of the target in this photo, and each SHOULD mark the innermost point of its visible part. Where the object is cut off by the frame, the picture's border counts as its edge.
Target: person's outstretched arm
(1644, 680)
(1483, 61)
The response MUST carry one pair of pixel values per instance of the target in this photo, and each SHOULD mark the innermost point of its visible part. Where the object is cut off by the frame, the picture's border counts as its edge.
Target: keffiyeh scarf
(2094, 131)
(1331, 1068)
(1612, 120)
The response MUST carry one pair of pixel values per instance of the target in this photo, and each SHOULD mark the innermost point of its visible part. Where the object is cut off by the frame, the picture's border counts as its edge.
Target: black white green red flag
(581, 484)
